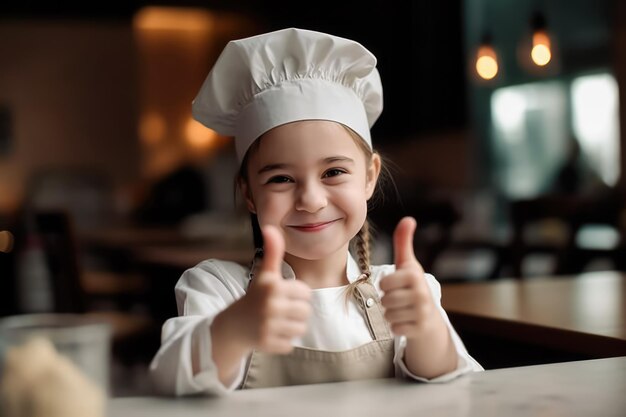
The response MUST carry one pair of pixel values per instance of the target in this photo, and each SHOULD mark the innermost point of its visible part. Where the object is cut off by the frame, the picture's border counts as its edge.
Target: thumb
(273, 250)
(403, 242)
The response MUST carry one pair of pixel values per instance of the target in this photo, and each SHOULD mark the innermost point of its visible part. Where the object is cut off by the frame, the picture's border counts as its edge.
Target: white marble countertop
(585, 388)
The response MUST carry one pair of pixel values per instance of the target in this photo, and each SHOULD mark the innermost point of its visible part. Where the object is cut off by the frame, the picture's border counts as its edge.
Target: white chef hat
(268, 80)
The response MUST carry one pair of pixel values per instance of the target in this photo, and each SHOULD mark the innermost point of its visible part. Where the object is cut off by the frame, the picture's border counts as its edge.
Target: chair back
(57, 233)
(572, 212)
(50, 234)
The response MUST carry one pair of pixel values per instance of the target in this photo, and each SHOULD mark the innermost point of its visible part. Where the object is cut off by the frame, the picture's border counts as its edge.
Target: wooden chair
(435, 219)
(572, 213)
(135, 335)
(7, 269)
(438, 249)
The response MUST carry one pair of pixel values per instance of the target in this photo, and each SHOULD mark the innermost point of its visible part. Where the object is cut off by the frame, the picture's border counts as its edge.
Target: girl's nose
(311, 198)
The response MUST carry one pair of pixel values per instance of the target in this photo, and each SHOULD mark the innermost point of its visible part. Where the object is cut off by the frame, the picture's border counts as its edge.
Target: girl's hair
(242, 176)
(361, 243)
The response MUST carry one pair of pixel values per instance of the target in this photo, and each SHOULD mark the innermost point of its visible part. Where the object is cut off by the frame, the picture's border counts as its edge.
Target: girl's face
(312, 181)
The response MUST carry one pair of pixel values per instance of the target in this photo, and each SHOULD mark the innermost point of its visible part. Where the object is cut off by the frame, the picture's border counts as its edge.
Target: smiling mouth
(313, 227)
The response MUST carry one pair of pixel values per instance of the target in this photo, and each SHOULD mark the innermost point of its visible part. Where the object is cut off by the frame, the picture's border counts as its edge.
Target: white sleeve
(465, 363)
(201, 293)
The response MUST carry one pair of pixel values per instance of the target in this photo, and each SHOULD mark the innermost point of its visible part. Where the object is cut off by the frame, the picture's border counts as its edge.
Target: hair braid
(361, 244)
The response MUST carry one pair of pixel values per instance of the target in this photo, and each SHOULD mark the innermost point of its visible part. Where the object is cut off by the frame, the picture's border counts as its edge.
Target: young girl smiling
(300, 105)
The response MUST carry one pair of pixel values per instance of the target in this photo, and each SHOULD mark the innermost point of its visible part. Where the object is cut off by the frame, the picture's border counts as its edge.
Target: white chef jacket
(208, 288)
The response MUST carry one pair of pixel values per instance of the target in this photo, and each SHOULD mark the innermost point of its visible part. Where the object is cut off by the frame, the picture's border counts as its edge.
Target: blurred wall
(440, 160)
(69, 89)
(176, 47)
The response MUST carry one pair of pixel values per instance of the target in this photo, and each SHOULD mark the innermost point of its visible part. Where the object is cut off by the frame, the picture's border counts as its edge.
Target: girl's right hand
(277, 310)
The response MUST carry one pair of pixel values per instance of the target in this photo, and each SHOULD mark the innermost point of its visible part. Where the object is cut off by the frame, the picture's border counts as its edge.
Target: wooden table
(169, 247)
(160, 255)
(131, 236)
(583, 314)
(162, 266)
(183, 257)
(585, 388)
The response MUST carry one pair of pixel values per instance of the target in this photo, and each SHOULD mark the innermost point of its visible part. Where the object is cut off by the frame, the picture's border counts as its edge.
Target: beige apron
(312, 366)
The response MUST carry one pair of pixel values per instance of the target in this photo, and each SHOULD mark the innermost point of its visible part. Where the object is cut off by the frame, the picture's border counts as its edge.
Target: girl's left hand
(409, 307)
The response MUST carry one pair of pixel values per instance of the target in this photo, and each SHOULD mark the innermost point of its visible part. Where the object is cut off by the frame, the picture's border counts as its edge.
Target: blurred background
(501, 128)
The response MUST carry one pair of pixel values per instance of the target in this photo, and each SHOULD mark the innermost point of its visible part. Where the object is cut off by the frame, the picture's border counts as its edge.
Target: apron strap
(369, 300)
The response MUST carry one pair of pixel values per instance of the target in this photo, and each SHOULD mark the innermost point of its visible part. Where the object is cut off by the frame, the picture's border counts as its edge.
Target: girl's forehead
(307, 138)
(304, 127)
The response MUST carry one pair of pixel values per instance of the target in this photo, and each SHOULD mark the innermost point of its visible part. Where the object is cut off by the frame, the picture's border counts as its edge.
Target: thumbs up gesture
(408, 304)
(277, 309)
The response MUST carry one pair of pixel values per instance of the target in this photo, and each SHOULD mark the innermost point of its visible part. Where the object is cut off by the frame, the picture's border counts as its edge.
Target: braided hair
(361, 247)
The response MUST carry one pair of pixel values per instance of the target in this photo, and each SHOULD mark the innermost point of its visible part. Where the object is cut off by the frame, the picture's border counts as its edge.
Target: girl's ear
(245, 191)
(373, 171)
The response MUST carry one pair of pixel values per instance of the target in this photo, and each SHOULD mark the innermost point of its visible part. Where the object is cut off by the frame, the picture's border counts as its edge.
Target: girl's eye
(333, 172)
(278, 179)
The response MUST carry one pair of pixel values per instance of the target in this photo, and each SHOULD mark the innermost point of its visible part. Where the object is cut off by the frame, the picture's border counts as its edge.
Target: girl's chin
(312, 254)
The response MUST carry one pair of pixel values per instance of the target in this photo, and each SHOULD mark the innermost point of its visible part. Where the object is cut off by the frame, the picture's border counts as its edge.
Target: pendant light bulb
(541, 52)
(486, 60)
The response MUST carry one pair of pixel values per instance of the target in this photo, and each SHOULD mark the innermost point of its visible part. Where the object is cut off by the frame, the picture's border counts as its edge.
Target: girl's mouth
(313, 227)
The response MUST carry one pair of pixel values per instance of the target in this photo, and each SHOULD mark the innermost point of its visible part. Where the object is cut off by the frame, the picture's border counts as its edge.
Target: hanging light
(486, 59)
(541, 51)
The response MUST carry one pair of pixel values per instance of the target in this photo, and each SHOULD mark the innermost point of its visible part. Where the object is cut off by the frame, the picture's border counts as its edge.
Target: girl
(300, 105)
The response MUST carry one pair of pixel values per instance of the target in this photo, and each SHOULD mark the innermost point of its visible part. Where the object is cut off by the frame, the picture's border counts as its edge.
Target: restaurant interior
(501, 131)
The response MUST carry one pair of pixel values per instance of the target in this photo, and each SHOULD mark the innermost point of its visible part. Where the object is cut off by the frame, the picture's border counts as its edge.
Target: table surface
(583, 388)
(169, 246)
(183, 257)
(587, 307)
(130, 236)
